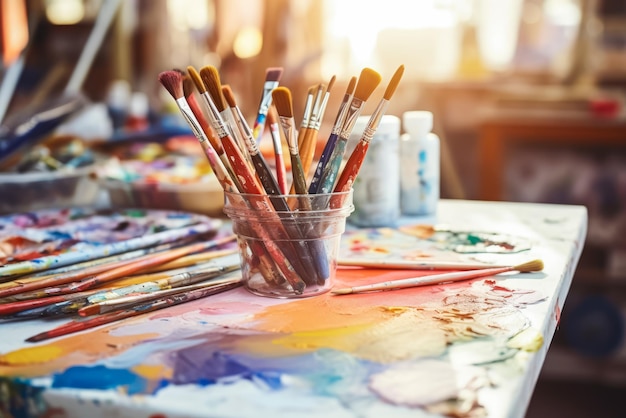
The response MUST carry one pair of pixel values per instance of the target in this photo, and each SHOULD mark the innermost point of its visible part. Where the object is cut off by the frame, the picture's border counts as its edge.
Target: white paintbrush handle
(427, 280)
(416, 265)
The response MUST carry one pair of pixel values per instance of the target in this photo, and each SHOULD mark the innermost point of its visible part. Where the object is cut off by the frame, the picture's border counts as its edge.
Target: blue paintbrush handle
(329, 175)
(321, 164)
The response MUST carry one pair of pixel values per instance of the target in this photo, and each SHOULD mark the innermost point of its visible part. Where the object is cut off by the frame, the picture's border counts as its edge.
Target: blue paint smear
(99, 377)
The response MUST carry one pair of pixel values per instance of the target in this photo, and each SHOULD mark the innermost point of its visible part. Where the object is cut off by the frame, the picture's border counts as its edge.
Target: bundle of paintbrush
(159, 272)
(283, 248)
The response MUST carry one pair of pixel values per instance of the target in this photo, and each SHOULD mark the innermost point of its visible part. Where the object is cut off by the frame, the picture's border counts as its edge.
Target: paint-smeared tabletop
(472, 348)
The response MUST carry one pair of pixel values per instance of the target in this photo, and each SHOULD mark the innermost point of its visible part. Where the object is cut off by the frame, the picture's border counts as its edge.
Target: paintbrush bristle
(282, 100)
(393, 84)
(172, 80)
(188, 87)
(331, 83)
(195, 77)
(533, 265)
(273, 73)
(211, 78)
(368, 81)
(351, 85)
(229, 95)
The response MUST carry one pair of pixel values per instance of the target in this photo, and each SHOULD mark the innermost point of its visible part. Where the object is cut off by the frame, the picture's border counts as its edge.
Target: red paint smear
(494, 286)
(557, 313)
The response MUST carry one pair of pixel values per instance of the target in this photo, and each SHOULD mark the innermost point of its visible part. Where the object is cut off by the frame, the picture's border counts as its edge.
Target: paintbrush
(367, 83)
(133, 299)
(25, 284)
(301, 260)
(119, 272)
(332, 139)
(306, 114)
(281, 171)
(71, 305)
(284, 107)
(216, 106)
(355, 161)
(267, 252)
(92, 322)
(144, 263)
(307, 149)
(38, 305)
(531, 266)
(413, 264)
(268, 181)
(172, 81)
(99, 251)
(99, 263)
(188, 90)
(191, 259)
(272, 78)
(215, 140)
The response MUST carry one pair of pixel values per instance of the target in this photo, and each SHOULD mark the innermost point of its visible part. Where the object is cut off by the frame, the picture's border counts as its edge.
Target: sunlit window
(432, 37)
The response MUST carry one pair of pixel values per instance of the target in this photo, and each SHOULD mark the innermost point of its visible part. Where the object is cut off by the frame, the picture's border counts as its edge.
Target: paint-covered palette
(38, 240)
(464, 349)
(426, 243)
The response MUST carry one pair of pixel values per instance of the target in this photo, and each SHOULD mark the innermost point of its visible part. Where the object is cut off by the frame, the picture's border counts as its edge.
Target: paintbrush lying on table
(142, 308)
(530, 266)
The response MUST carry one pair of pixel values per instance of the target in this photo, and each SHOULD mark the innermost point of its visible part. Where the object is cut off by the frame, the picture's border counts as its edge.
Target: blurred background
(527, 97)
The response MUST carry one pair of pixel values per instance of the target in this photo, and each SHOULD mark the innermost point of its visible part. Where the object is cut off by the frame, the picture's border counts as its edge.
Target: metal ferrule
(315, 113)
(341, 115)
(318, 122)
(351, 116)
(246, 133)
(289, 134)
(191, 119)
(372, 124)
(266, 99)
(215, 117)
(308, 107)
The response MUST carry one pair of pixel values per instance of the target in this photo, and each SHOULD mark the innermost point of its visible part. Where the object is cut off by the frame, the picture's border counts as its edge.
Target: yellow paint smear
(529, 340)
(31, 355)
(65, 352)
(153, 371)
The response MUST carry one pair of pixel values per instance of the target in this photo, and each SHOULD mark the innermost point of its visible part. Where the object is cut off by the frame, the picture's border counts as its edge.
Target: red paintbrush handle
(349, 173)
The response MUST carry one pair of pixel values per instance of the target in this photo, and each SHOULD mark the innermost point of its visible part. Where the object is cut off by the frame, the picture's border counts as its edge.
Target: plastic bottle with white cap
(376, 190)
(419, 165)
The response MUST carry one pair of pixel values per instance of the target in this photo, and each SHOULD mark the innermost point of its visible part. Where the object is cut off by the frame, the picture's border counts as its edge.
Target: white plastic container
(376, 195)
(419, 165)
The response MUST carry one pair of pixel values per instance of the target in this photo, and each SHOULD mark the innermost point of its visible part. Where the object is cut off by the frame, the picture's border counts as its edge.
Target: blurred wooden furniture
(499, 131)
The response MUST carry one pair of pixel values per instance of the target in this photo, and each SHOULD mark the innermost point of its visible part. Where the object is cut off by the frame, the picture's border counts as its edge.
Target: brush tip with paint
(273, 73)
(172, 80)
(283, 102)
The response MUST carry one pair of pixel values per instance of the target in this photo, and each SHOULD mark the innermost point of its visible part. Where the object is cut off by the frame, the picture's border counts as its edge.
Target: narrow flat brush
(332, 139)
(172, 81)
(355, 161)
(272, 78)
(367, 83)
(95, 321)
(531, 266)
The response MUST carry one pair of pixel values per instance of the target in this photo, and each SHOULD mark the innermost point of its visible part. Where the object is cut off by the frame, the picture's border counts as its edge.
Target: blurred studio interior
(527, 98)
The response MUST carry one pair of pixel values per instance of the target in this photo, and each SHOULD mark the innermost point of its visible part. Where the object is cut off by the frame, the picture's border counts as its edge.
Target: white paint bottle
(419, 165)
(376, 190)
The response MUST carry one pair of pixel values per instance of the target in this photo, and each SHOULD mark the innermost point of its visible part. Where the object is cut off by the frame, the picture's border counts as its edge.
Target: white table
(236, 354)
